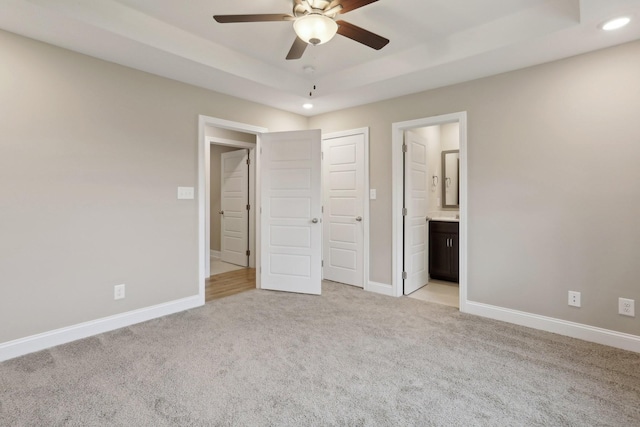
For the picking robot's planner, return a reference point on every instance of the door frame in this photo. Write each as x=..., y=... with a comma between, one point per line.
x=212, y=140
x=204, y=171
x=397, y=186
x=365, y=132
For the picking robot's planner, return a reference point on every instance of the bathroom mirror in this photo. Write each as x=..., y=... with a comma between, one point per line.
x=451, y=179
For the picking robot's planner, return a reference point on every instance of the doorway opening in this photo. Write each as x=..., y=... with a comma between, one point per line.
x=429, y=207
x=287, y=212
x=227, y=198
x=232, y=207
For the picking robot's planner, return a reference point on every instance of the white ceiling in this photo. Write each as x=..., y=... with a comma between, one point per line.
x=433, y=43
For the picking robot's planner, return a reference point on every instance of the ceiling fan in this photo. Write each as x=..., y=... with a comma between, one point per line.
x=314, y=22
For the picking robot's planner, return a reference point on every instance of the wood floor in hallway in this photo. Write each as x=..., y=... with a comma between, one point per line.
x=230, y=283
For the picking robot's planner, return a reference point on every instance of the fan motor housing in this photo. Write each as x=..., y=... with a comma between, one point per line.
x=317, y=5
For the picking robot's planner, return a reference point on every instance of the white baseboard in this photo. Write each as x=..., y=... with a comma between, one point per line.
x=558, y=326
x=379, y=288
x=214, y=254
x=33, y=343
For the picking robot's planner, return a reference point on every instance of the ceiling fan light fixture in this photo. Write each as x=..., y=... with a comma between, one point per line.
x=315, y=28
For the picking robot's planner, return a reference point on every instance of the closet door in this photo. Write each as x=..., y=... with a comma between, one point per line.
x=234, y=214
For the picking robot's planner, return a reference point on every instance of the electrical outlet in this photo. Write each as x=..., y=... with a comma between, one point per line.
x=574, y=299
x=118, y=292
x=627, y=307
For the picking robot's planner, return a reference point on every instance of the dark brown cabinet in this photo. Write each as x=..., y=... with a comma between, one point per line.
x=444, y=250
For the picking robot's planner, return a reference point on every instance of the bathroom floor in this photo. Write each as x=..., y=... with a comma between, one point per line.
x=439, y=292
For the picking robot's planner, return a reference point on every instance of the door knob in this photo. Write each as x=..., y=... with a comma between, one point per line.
x=358, y=218
x=221, y=212
x=314, y=220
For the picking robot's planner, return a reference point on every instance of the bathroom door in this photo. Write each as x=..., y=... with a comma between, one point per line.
x=416, y=247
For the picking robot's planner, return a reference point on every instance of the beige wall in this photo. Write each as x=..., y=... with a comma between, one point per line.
x=229, y=134
x=91, y=155
x=216, y=182
x=554, y=183
x=91, y=202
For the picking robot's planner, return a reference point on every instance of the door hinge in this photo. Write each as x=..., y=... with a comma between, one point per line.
x=404, y=148
x=322, y=155
x=322, y=263
x=248, y=207
x=322, y=209
x=404, y=212
x=248, y=252
x=248, y=161
x=404, y=275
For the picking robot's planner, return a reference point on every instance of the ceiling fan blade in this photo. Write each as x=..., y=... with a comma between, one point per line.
x=297, y=49
x=226, y=19
x=361, y=35
x=349, y=5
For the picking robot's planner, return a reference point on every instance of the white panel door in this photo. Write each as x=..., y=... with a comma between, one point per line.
x=234, y=193
x=291, y=228
x=416, y=246
x=343, y=200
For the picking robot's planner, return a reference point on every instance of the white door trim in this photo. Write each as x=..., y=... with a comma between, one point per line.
x=204, y=172
x=397, y=130
x=365, y=132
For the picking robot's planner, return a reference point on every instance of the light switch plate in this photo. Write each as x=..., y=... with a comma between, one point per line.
x=372, y=194
x=185, y=193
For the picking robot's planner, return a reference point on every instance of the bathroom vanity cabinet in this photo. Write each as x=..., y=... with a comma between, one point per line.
x=444, y=250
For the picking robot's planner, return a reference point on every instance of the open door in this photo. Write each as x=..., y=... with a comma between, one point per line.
x=291, y=213
x=416, y=245
x=234, y=213
x=343, y=175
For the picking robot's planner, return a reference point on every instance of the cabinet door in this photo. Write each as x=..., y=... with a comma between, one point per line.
x=455, y=256
x=443, y=250
x=439, y=256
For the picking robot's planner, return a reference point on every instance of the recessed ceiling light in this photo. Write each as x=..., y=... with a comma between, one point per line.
x=614, y=24
x=307, y=106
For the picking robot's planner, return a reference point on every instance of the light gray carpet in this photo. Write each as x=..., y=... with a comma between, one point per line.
x=347, y=358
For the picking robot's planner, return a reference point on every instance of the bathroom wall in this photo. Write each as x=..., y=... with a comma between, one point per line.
x=439, y=138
